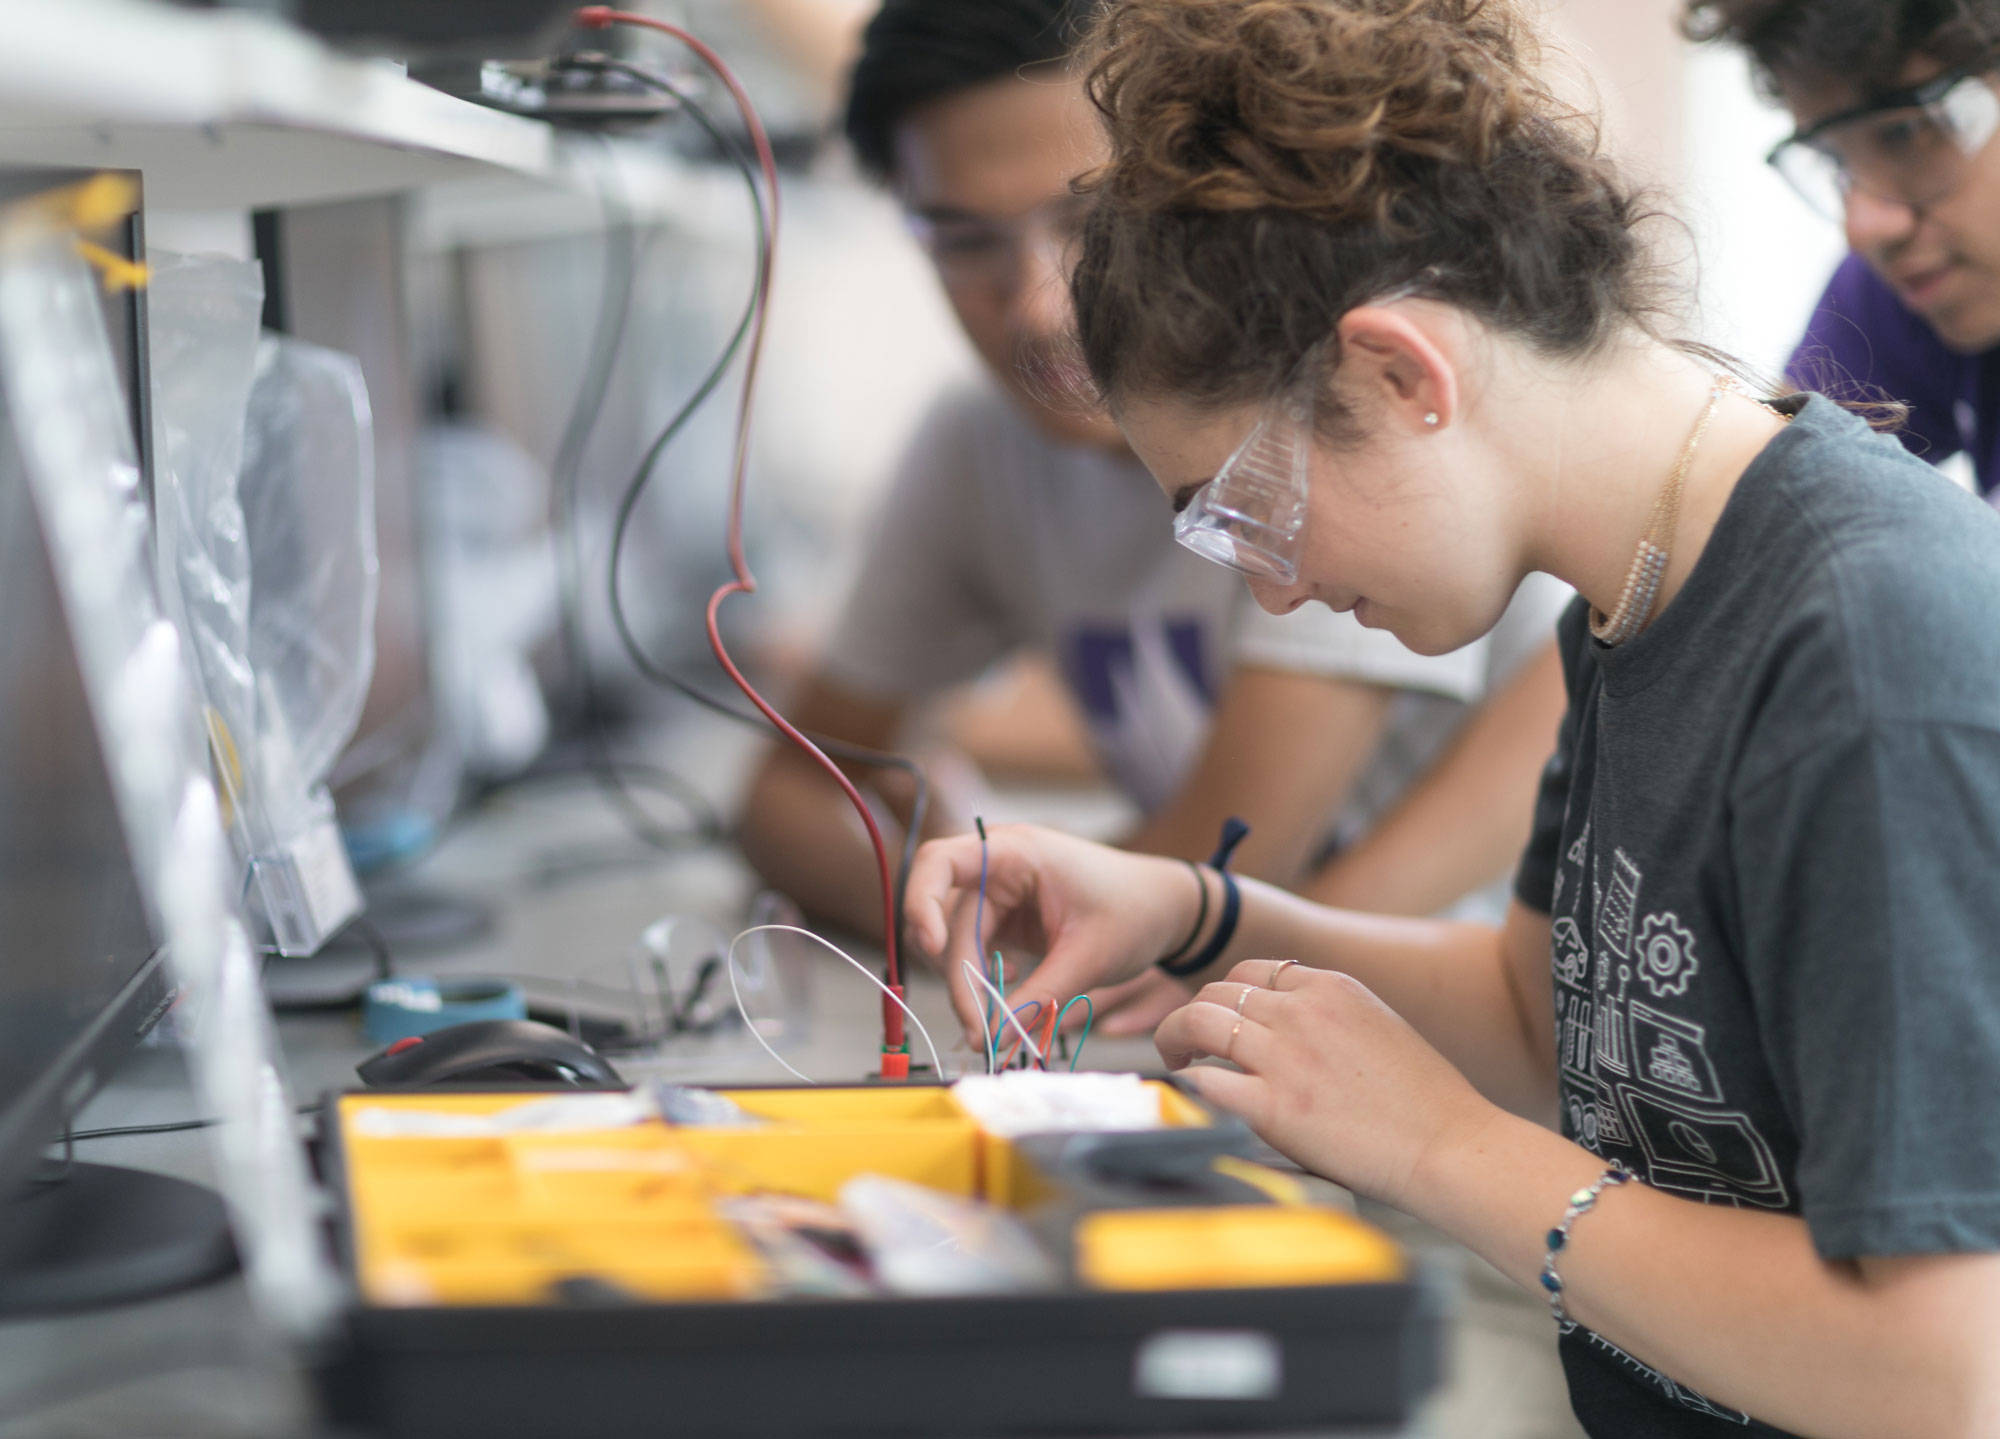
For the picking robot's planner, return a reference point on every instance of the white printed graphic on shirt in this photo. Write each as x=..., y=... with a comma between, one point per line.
x=1638, y=1081
x=1573, y=1034
x=1713, y=1155
x=1671, y=1053
x=1635, y=1074
x=1666, y=955
x=1582, y=1122
x=1572, y=955
x=1611, y=1018
x=1616, y=912
x=1604, y=1114
x=1672, y=1388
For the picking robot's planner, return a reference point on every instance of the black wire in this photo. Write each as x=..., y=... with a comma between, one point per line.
x=614, y=308
x=643, y=475
x=551, y=770
x=174, y=1127
x=364, y=927
x=632, y=773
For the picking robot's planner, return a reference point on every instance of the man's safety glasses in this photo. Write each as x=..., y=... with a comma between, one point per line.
x=1910, y=148
x=1252, y=515
x=979, y=252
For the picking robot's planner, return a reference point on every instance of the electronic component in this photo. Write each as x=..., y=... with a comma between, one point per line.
x=580, y=90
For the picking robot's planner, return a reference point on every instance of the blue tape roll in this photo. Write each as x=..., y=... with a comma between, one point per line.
x=400, y=1008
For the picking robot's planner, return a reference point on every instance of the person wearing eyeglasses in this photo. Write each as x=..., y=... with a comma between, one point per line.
x=1896, y=111
x=1383, y=323
x=1021, y=523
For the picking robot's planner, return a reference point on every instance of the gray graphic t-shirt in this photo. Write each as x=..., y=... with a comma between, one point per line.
x=1769, y=842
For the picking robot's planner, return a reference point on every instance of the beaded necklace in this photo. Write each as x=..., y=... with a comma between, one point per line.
x=1649, y=565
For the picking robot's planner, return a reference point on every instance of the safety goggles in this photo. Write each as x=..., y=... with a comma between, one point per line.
x=978, y=252
x=1911, y=148
x=1252, y=515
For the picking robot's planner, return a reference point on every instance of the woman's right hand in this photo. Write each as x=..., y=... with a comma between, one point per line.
x=1097, y=915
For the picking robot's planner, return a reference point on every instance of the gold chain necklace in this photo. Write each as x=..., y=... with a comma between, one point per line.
x=1649, y=565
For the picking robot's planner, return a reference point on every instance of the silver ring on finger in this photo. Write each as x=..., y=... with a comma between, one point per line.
x=1272, y=983
x=1243, y=998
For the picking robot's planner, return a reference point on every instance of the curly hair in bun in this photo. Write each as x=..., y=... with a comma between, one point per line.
x=1276, y=163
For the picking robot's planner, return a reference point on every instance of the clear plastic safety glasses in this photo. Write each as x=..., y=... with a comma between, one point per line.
x=973, y=252
x=1252, y=515
x=1910, y=148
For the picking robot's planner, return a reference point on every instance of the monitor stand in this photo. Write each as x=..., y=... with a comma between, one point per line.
x=104, y=1235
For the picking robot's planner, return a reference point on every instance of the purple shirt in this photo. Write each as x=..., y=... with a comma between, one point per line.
x=1863, y=343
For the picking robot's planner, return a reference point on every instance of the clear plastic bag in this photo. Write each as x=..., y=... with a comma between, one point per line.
x=202, y=319
x=265, y=512
x=308, y=497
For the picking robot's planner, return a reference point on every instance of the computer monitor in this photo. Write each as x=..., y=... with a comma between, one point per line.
x=82, y=975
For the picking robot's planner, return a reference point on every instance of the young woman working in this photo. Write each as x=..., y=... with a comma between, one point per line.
x=1376, y=315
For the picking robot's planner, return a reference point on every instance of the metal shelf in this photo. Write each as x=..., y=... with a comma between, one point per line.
x=229, y=110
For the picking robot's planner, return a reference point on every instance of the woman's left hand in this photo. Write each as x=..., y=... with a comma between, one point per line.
x=1331, y=1077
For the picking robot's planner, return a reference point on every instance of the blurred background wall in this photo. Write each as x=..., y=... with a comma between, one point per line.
x=861, y=339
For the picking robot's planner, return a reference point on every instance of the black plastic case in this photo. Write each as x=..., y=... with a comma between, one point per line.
x=1353, y=1357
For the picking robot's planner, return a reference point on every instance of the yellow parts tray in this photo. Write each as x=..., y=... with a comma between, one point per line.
x=1234, y=1247
x=818, y=1139
x=503, y=1218
x=500, y=1219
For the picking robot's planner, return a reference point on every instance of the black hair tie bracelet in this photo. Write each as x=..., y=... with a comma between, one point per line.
x=1233, y=832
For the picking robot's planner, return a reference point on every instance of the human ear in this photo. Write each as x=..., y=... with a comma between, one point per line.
x=1396, y=368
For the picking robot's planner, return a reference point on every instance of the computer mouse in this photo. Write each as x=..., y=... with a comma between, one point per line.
x=490, y=1051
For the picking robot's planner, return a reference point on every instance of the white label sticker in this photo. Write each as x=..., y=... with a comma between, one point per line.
x=325, y=876
x=1209, y=1364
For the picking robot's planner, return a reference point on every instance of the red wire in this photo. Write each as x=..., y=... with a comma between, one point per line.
x=599, y=17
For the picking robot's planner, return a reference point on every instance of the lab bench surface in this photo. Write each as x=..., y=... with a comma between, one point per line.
x=567, y=890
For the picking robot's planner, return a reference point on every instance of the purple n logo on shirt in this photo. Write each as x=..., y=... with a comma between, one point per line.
x=1100, y=661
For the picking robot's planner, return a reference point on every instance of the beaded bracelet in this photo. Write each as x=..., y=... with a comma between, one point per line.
x=1580, y=1204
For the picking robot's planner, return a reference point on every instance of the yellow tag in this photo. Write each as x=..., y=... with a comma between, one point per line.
x=101, y=202
x=119, y=274
x=89, y=206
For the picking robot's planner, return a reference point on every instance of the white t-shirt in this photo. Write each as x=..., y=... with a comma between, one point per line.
x=995, y=538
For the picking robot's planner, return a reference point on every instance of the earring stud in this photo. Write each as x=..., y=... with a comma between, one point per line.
x=1431, y=419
